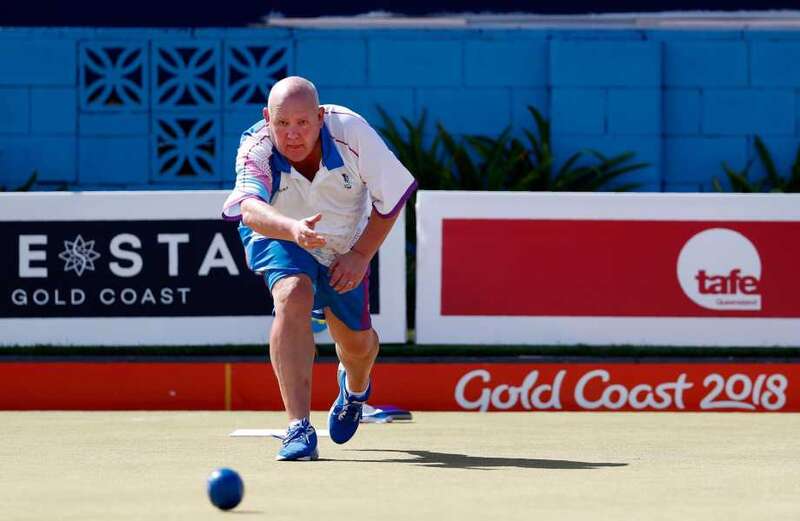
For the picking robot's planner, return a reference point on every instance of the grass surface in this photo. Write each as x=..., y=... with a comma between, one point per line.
x=461, y=466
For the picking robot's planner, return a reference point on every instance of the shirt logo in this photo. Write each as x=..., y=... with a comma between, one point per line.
x=78, y=255
x=347, y=183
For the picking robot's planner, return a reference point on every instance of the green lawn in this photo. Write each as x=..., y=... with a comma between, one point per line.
x=509, y=466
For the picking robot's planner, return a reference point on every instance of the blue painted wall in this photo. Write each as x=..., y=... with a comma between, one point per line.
x=163, y=109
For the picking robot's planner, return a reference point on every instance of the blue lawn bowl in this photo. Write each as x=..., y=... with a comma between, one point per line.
x=225, y=488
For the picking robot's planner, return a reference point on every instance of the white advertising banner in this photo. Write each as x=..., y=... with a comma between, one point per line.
x=608, y=268
x=148, y=268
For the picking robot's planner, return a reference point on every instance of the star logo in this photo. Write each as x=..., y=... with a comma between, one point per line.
x=79, y=255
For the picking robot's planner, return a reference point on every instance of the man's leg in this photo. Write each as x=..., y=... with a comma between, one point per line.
x=291, y=343
x=357, y=350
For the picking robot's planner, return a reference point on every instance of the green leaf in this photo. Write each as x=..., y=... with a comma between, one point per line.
x=597, y=175
x=542, y=125
x=568, y=164
x=465, y=170
x=738, y=180
x=773, y=177
x=29, y=183
x=610, y=162
x=26, y=186
x=793, y=184
x=627, y=187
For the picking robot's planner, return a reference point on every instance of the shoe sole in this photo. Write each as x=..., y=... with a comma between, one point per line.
x=313, y=457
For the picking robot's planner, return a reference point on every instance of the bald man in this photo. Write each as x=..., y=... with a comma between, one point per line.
x=317, y=192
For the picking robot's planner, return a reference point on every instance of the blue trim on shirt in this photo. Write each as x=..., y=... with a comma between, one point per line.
x=276, y=184
x=331, y=157
x=278, y=163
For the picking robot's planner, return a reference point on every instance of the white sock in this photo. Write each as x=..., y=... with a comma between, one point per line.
x=359, y=396
x=296, y=422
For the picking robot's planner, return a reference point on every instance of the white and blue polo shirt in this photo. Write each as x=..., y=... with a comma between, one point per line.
x=357, y=172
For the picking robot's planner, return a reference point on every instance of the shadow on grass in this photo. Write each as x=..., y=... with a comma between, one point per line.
x=445, y=460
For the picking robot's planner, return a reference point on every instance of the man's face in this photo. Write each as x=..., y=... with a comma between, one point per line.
x=295, y=123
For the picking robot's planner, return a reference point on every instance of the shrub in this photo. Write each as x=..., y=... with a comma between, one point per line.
x=771, y=182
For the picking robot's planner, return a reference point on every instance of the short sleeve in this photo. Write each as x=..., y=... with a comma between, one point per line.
x=389, y=183
x=253, y=172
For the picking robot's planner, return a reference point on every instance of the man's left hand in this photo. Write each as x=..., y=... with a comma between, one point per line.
x=348, y=270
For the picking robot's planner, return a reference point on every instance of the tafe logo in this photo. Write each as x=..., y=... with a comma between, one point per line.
x=720, y=269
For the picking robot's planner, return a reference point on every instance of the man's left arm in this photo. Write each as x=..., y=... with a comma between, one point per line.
x=348, y=269
x=390, y=185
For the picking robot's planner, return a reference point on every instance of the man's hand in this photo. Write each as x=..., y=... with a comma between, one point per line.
x=304, y=234
x=348, y=270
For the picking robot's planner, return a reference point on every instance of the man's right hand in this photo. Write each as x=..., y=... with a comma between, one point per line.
x=304, y=234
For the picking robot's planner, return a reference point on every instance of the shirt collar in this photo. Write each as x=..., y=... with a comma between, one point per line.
x=331, y=157
x=280, y=162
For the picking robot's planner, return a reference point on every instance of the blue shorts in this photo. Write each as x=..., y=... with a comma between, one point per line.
x=277, y=259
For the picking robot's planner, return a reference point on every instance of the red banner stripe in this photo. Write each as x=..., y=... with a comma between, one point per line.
x=511, y=267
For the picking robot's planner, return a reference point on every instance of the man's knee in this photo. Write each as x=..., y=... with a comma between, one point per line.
x=362, y=344
x=293, y=295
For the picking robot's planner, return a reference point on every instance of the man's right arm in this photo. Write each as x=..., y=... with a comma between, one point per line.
x=253, y=172
x=269, y=222
x=249, y=199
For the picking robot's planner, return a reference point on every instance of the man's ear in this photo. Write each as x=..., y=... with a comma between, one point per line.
x=265, y=112
x=321, y=114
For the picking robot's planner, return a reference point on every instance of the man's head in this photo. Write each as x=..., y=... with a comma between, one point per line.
x=295, y=117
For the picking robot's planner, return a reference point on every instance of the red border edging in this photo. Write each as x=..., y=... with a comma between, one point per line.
x=493, y=386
